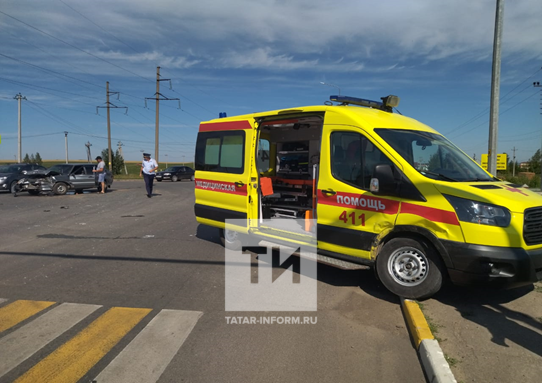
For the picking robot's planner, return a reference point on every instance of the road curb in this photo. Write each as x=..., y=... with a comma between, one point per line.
x=434, y=364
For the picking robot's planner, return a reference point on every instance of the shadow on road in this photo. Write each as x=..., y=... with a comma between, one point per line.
x=485, y=307
x=365, y=279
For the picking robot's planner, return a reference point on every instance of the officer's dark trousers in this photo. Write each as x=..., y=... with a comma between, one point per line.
x=149, y=179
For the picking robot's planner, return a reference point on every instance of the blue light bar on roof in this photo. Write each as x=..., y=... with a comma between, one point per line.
x=387, y=104
x=357, y=101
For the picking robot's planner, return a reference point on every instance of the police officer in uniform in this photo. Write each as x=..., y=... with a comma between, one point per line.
x=148, y=172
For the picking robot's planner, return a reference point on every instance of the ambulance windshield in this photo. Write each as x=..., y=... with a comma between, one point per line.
x=433, y=155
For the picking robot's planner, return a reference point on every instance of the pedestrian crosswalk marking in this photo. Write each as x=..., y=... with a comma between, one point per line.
x=24, y=342
x=18, y=311
x=152, y=350
x=144, y=359
x=71, y=361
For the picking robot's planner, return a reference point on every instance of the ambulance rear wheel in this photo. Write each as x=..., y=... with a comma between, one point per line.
x=230, y=239
x=410, y=268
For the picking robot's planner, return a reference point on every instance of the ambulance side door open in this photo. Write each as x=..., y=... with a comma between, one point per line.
x=224, y=163
x=350, y=217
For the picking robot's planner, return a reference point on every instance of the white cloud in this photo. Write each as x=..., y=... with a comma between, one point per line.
x=285, y=35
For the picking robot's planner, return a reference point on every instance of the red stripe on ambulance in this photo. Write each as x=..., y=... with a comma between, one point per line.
x=226, y=125
x=361, y=202
x=221, y=187
x=432, y=214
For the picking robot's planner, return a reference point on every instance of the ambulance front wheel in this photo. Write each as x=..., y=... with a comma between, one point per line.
x=410, y=268
x=230, y=239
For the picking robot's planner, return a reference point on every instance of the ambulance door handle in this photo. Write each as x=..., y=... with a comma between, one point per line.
x=329, y=192
x=239, y=184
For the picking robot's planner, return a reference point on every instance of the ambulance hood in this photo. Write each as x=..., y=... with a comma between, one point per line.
x=513, y=197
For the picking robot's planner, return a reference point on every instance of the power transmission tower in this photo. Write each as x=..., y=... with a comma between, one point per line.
x=537, y=85
x=109, y=105
x=120, y=145
x=514, y=162
x=89, y=157
x=66, y=139
x=495, y=88
x=19, y=97
x=158, y=96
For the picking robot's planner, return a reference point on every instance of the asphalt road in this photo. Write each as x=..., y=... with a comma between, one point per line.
x=124, y=250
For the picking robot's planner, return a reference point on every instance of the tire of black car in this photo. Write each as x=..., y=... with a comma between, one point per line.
x=192, y=178
x=12, y=187
x=60, y=188
x=174, y=178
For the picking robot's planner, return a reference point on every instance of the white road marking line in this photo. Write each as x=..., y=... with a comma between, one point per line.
x=27, y=340
x=147, y=356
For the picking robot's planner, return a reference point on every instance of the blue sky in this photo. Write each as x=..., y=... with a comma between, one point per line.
x=242, y=56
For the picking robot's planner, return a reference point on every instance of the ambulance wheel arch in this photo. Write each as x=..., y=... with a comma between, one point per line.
x=410, y=268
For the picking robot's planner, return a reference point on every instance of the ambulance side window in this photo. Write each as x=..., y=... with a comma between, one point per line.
x=221, y=152
x=212, y=151
x=354, y=157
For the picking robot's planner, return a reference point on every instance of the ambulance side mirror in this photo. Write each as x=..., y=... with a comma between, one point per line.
x=383, y=181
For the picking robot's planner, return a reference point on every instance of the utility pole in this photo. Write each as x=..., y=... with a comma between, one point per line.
x=19, y=97
x=166, y=160
x=158, y=96
x=66, y=141
x=120, y=145
x=537, y=85
x=495, y=89
x=109, y=105
x=89, y=157
x=514, y=162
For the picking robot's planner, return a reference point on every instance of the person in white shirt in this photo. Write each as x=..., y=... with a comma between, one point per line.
x=100, y=169
x=148, y=172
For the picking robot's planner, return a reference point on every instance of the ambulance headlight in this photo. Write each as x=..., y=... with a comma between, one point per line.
x=479, y=212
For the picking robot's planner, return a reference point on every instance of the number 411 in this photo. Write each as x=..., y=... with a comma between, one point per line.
x=359, y=221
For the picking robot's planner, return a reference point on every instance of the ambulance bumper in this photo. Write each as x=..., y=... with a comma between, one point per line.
x=506, y=266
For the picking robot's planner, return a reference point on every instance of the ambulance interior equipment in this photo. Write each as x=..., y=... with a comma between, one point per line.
x=288, y=157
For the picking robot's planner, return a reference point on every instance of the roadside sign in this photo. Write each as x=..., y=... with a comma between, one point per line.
x=502, y=161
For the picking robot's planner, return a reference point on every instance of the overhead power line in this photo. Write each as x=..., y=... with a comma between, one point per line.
x=42, y=87
x=504, y=99
x=93, y=23
x=48, y=70
x=75, y=47
x=500, y=114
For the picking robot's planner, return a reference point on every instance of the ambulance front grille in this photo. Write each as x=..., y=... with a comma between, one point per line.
x=532, y=226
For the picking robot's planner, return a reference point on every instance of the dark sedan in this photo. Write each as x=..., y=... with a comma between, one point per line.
x=10, y=174
x=176, y=173
x=78, y=177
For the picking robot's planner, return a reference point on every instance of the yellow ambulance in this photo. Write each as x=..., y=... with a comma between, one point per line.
x=385, y=190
